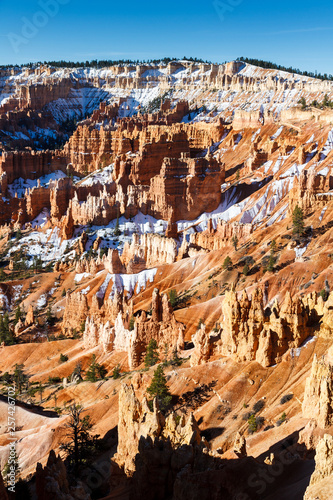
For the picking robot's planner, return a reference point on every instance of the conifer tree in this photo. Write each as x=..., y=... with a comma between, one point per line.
x=151, y=354
x=159, y=389
x=298, y=221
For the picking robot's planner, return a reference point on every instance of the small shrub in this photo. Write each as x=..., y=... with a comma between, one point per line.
x=252, y=424
x=324, y=295
x=173, y=298
x=285, y=399
x=63, y=358
x=248, y=415
x=258, y=406
x=116, y=372
x=281, y=419
x=54, y=380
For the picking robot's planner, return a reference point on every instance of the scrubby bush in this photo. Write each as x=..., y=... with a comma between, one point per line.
x=63, y=358
x=281, y=419
x=286, y=398
x=258, y=406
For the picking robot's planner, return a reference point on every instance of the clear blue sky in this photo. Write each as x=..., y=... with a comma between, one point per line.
x=294, y=32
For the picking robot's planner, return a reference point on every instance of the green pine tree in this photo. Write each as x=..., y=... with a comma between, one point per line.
x=298, y=221
x=252, y=424
x=131, y=324
x=271, y=263
x=18, y=315
x=246, y=270
x=151, y=354
x=159, y=389
x=173, y=298
x=20, y=378
x=227, y=264
x=49, y=316
x=95, y=370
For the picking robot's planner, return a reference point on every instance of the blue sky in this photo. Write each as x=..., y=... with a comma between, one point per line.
x=294, y=33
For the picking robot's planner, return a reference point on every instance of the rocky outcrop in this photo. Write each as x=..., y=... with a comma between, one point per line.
x=148, y=250
x=52, y=482
x=321, y=484
x=112, y=262
x=202, y=347
x=318, y=394
x=30, y=165
x=309, y=190
x=76, y=312
x=137, y=421
x=221, y=237
x=250, y=335
x=161, y=326
x=240, y=445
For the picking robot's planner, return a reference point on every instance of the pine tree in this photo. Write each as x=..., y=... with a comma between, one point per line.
x=19, y=377
x=298, y=221
x=159, y=389
x=95, y=370
x=18, y=315
x=49, y=316
x=173, y=298
x=235, y=241
x=91, y=374
x=246, y=270
x=227, y=264
x=81, y=445
x=116, y=372
x=252, y=424
x=151, y=354
x=131, y=324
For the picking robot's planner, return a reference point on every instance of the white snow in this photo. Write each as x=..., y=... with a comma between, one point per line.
x=277, y=134
x=322, y=214
x=80, y=277
x=17, y=292
x=324, y=171
x=127, y=282
x=85, y=290
x=20, y=185
x=103, y=176
x=42, y=301
x=300, y=251
x=41, y=219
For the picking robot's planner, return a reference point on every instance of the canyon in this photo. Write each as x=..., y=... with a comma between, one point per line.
x=181, y=211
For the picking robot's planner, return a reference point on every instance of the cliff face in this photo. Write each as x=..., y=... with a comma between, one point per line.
x=318, y=394
x=321, y=483
x=137, y=421
x=52, y=482
x=160, y=326
x=247, y=334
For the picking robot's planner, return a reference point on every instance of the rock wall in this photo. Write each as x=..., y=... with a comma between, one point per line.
x=321, y=484
x=137, y=421
x=318, y=394
x=76, y=312
x=247, y=334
